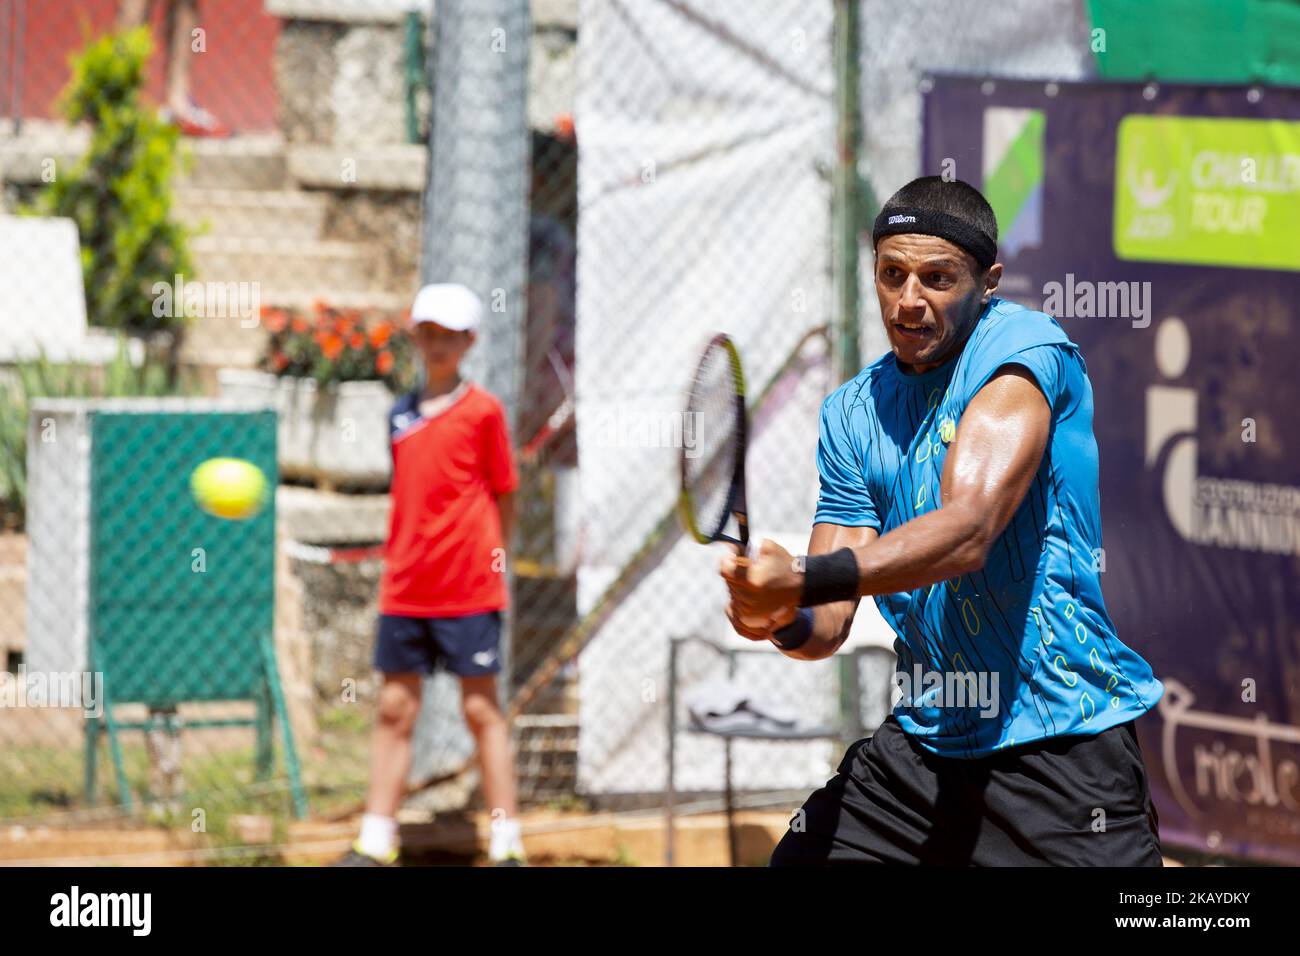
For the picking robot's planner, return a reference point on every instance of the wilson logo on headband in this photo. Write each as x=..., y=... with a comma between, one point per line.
x=959, y=232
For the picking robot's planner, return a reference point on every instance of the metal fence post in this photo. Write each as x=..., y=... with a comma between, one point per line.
x=845, y=195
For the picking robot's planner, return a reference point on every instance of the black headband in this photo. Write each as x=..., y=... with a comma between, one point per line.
x=974, y=240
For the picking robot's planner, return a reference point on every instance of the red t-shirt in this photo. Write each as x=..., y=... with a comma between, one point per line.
x=445, y=556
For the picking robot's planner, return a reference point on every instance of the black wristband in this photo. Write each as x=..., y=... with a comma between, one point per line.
x=795, y=634
x=829, y=577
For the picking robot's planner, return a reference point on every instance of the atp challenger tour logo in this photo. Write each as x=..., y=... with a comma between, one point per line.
x=1215, y=512
x=1209, y=190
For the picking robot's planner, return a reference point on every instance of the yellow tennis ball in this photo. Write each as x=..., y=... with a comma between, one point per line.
x=229, y=487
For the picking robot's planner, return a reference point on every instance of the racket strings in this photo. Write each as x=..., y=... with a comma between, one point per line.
x=711, y=438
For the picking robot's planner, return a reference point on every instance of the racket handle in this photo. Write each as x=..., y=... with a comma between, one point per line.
x=742, y=566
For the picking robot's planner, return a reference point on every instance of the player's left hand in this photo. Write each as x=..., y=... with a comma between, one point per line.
x=766, y=585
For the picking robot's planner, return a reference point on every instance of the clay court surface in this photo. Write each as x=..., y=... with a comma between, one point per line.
x=552, y=838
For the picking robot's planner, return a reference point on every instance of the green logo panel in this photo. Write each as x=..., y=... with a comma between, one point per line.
x=1208, y=191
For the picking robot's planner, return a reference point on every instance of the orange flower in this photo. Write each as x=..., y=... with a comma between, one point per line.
x=342, y=327
x=274, y=320
x=564, y=127
x=357, y=341
x=380, y=334
x=384, y=363
x=298, y=325
x=279, y=361
x=332, y=346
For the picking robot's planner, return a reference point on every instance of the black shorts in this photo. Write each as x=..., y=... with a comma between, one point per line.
x=1064, y=801
x=467, y=646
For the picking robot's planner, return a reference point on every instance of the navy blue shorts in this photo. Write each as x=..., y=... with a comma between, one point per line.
x=467, y=646
x=894, y=802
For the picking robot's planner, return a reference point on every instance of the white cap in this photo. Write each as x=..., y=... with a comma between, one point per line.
x=449, y=304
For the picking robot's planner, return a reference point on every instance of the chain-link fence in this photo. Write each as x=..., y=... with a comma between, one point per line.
x=210, y=209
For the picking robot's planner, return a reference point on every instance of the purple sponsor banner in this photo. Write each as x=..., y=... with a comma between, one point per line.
x=1196, y=376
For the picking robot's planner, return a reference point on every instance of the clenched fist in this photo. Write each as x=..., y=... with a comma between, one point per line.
x=764, y=590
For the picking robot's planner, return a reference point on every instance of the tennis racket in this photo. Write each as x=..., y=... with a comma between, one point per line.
x=714, y=435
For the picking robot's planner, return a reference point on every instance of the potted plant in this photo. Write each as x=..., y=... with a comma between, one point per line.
x=332, y=375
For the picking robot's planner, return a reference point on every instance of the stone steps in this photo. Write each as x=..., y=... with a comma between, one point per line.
x=546, y=756
x=342, y=269
x=255, y=162
x=220, y=342
x=337, y=266
x=252, y=225
x=398, y=167
x=305, y=298
x=251, y=213
x=240, y=162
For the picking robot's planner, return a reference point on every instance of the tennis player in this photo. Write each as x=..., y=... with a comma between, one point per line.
x=959, y=489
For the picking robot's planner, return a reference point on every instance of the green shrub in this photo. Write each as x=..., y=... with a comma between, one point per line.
x=41, y=378
x=120, y=192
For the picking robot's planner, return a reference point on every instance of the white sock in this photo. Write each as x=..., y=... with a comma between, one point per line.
x=378, y=835
x=506, y=839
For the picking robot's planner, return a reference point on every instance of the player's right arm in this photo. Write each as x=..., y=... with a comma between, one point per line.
x=831, y=622
x=846, y=518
